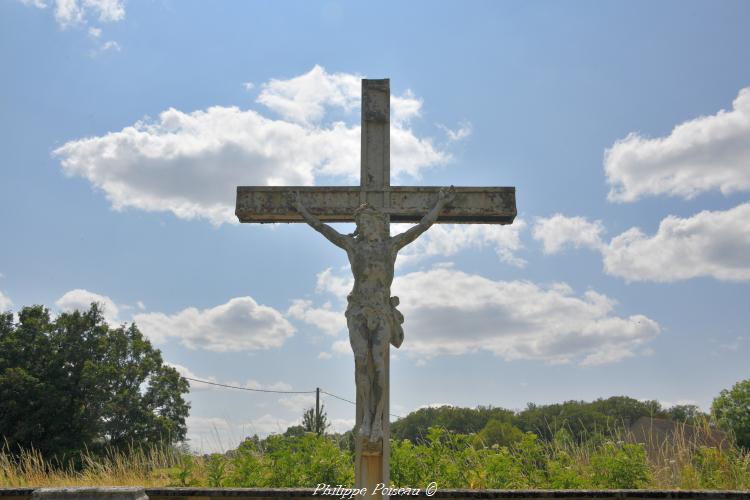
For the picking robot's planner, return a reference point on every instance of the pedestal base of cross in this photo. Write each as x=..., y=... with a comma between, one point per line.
x=471, y=205
x=371, y=464
x=372, y=459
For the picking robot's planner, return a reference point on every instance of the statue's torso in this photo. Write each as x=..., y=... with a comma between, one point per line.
x=371, y=309
x=372, y=266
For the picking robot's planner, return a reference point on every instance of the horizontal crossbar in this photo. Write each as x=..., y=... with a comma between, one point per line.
x=472, y=205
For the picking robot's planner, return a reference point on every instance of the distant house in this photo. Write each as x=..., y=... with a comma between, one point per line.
x=660, y=433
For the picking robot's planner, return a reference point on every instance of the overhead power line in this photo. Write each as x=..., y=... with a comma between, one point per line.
x=338, y=397
x=247, y=388
x=273, y=391
x=350, y=402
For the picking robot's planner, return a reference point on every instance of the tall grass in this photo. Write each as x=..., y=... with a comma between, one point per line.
x=695, y=459
x=129, y=467
x=452, y=460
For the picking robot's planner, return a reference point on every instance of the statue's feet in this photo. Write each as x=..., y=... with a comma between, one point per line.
x=376, y=434
x=366, y=428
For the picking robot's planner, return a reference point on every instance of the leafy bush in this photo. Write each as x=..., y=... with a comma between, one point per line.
x=713, y=468
x=563, y=472
x=498, y=433
x=620, y=465
x=216, y=470
x=502, y=470
x=246, y=467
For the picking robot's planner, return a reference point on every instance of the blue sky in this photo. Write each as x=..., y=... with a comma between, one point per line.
x=625, y=127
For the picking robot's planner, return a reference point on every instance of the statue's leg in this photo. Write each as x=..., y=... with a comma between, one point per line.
x=360, y=347
x=379, y=352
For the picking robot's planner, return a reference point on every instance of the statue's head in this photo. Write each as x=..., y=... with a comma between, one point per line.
x=371, y=223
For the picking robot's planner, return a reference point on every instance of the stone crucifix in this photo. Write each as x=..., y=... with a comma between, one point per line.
x=372, y=318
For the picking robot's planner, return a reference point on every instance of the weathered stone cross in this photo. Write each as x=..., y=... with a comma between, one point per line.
x=484, y=205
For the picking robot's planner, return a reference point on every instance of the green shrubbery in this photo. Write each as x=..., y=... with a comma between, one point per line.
x=455, y=461
x=620, y=465
x=452, y=460
x=282, y=461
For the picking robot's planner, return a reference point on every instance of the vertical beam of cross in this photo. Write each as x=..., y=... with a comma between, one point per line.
x=373, y=466
x=375, y=167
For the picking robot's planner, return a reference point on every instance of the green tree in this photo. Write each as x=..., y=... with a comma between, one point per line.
x=686, y=413
x=295, y=431
x=75, y=383
x=580, y=418
x=731, y=409
x=624, y=410
x=498, y=433
x=312, y=424
x=415, y=426
x=586, y=420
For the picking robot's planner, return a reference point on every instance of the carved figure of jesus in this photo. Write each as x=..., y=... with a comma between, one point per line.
x=371, y=315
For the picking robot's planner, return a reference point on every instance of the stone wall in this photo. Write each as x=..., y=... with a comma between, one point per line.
x=298, y=493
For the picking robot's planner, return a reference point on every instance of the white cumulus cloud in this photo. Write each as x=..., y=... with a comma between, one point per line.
x=707, y=153
x=189, y=163
x=465, y=313
x=446, y=240
x=238, y=325
x=449, y=312
x=325, y=318
x=558, y=231
x=184, y=371
x=715, y=244
x=334, y=284
x=249, y=384
x=80, y=299
x=79, y=13
x=709, y=244
x=305, y=98
x=75, y=12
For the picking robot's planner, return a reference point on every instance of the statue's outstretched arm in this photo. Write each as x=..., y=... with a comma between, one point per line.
x=445, y=196
x=330, y=233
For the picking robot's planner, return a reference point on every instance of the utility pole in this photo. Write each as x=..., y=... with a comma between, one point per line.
x=317, y=410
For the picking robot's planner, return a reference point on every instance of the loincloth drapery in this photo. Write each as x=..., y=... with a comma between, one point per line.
x=374, y=314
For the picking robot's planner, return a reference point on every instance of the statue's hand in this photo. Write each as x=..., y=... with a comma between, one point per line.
x=446, y=196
